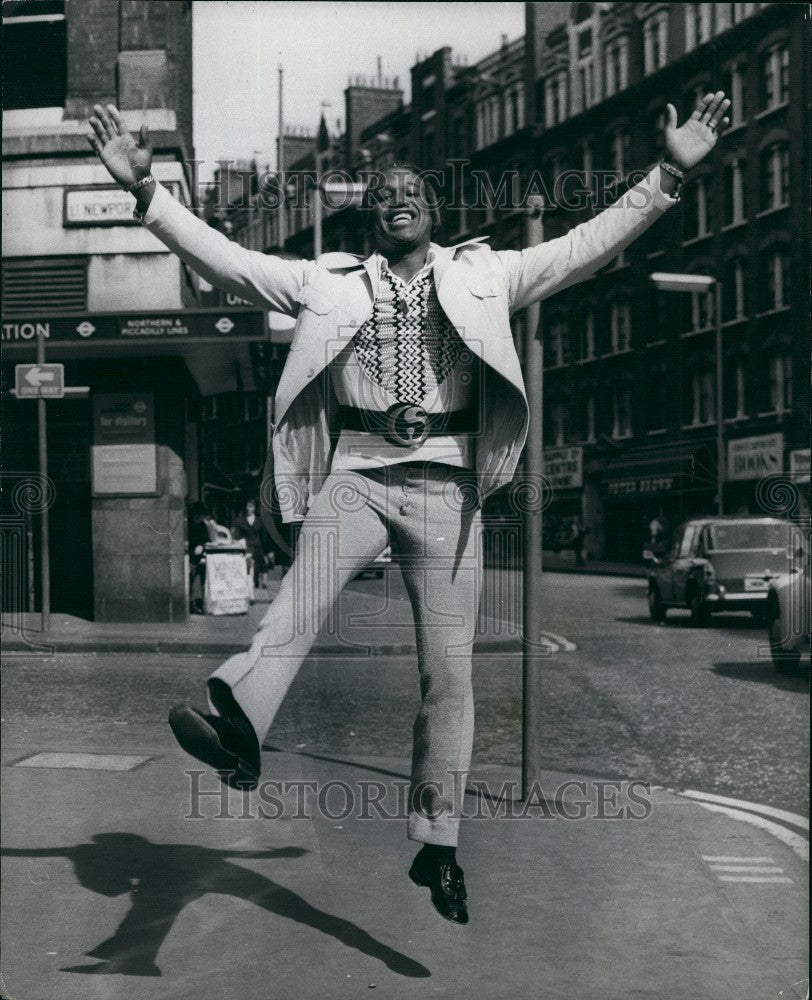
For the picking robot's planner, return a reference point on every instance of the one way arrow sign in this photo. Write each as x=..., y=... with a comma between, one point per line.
x=39, y=381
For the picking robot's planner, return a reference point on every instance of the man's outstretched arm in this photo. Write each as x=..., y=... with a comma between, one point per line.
x=262, y=279
x=540, y=271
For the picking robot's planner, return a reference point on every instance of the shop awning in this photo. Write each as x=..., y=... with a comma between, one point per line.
x=650, y=472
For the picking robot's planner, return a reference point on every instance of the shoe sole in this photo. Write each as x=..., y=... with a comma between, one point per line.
x=201, y=741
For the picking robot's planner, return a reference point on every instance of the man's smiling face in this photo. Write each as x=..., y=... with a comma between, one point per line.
x=401, y=214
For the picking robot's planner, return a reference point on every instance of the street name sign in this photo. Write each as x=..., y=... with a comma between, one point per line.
x=39, y=381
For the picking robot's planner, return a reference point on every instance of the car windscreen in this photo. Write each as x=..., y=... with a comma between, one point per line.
x=738, y=537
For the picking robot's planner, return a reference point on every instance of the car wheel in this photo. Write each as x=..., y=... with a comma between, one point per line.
x=700, y=612
x=656, y=608
x=784, y=660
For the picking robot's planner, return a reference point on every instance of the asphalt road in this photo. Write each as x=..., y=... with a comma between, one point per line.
x=680, y=707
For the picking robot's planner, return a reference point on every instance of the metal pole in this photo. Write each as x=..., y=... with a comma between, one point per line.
x=42, y=435
x=280, y=162
x=720, y=410
x=317, y=247
x=531, y=534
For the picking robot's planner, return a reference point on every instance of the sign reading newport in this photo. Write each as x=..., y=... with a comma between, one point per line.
x=185, y=324
x=39, y=381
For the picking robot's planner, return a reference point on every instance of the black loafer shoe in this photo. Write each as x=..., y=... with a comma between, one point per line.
x=447, y=883
x=228, y=747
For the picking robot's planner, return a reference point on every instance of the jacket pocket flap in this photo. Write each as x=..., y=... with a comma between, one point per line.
x=485, y=287
x=314, y=300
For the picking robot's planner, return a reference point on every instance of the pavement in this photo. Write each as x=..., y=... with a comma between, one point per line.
x=151, y=882
x=130, y=872
x=379, y=623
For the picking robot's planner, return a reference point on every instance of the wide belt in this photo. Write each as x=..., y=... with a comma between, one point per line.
x=407, y=424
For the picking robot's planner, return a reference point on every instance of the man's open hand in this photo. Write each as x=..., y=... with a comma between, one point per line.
x=127, y=160
x=692, y=142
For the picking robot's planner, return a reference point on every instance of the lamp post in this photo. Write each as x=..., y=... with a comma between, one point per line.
x=699, y=283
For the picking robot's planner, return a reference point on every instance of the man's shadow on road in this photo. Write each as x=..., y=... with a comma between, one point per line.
x=163, y=878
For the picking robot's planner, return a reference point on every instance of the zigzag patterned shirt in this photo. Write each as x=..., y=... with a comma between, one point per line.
x=406, y=352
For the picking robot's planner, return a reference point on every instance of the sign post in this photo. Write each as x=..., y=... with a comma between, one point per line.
x=42, y=435
x=532, y=574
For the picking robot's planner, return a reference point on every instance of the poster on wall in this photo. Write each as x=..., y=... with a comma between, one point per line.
x=124, y=453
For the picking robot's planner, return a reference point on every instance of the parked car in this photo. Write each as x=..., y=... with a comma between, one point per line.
x=720, y=564
x=789, y=612
x=377, y=566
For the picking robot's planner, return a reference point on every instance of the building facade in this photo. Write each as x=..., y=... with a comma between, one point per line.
x=110, y=303
x=576, y=106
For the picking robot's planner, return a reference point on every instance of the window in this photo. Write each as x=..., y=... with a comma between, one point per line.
x=702, y=309
x=735, y=89
x=735, y=208
x=697, y=24
x=655, y=42
x=620, y=152
x=588, y=166
x=620, y=325
x=586, y=77
x=585, y=43
x=616, y=66
x=734, y=291
x=621, y=414
x=40, y=285
x=514, y=109
x=774, y=177
x=555, y=90
x=739, y=11
x=702, y=397
x=558, y=415
x=589, y=336
x=777, y=285
x=558, y=340
x=781, y=383
x=774, y=77
x=35, y=55
x=657, y=122
x=697, y=209
x=736, y=391
x=590, y=419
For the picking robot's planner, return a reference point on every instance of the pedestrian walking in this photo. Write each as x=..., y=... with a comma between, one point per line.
x=395, y=361
x=248, y=526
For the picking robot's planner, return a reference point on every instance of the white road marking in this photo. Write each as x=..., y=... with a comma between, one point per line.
x=559, y=641
x=84, y=761
x=788, y=817
x=756, y=878
x=752, y=869
x=792, y=840
x=731, y=861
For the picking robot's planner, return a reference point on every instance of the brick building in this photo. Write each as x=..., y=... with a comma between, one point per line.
x=629, y=420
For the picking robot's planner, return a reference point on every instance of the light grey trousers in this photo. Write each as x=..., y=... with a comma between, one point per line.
x=431, y=514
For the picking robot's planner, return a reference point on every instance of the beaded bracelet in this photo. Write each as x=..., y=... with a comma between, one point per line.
x=149, y=179
x=674, y=171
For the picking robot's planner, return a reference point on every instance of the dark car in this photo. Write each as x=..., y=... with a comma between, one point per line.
x=720, y=564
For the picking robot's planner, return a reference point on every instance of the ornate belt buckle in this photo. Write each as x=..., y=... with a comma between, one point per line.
x=407, y=425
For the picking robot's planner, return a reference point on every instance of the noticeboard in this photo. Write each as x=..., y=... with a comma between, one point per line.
x=124, y=452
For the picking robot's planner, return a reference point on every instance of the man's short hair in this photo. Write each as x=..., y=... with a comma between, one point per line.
x=427, y=179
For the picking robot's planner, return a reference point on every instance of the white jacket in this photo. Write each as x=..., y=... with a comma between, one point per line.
x=332, y=297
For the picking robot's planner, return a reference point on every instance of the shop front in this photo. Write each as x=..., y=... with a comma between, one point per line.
x=123, y=453
x=650, y=491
